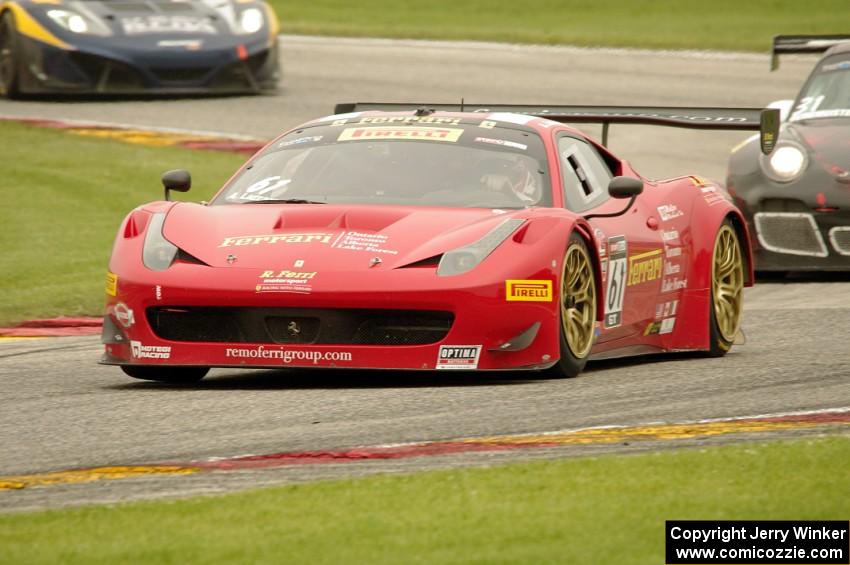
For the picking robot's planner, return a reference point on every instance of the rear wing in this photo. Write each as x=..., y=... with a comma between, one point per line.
x=766, y=120
x=788, y=44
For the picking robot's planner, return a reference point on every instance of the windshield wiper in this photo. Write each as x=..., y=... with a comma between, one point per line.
x=284, y=201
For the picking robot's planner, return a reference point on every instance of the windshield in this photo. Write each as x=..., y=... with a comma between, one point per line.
x=827, y=93
x=442, y=163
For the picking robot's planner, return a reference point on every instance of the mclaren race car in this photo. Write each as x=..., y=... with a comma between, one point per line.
x=797, y=200
x=123, y=47
x=433, y=237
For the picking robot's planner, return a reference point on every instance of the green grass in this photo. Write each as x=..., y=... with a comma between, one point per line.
x=596, y=510
x=664, y=24
x=64, y=197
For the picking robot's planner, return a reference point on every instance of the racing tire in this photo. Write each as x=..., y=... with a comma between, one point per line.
x=175, y=375
x=727, y=290
x=577, y=305
x=9, y=76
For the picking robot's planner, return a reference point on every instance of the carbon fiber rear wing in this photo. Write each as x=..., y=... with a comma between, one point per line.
x=788, y=44
x=766, y=121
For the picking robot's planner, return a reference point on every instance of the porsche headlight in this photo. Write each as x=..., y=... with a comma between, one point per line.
x=158, y=253
x=786, y=163
x=251, y=20
x=464, y=259
x=77, y=22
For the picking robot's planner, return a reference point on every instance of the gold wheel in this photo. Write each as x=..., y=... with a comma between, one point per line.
x=727, y=282
x=578, y=300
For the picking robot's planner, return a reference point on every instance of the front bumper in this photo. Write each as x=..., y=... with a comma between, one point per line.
x=481, y=320
x=801, y=240
x=47, y=69
x=799, y=226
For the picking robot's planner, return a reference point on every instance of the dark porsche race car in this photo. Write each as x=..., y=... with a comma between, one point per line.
x=797, y=200
x=443, y=237
x=127, y=47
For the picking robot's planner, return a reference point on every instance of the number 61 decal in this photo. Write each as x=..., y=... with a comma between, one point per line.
x=617, y=274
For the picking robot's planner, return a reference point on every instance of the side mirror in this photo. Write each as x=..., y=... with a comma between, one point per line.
x=625, y=187
x=178, y=179
x=621, y=187
x=784, y=107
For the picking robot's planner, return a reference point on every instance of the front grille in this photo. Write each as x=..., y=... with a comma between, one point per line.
x=300, y=325
x=840, y=239
x=783, y=205
x=180, y=74
x=106, y=75
x=789, y=233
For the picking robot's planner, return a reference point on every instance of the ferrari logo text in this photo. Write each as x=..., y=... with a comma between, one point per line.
x=283, y=238
x=645, y=267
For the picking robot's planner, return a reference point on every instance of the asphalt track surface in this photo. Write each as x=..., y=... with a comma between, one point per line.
x=62, y=411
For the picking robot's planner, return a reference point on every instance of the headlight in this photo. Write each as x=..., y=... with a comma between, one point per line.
x=251, y=20
x=466, y=258
x=77, y=22
x=158, y=253
x=786, y=163
x=69, y=20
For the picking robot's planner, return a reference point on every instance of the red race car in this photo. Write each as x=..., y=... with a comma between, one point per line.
x=433, y=237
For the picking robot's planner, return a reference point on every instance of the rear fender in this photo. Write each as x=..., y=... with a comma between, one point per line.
x=710, y=208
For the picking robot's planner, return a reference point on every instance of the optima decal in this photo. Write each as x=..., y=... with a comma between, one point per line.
x=645, y=267
x=450, y=135
x=241, y=240
x=528, y=291
x=458, y=356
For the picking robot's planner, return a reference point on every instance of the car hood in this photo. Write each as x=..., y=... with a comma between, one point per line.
x=827, y=139
x=158, y=25
x=327, y=237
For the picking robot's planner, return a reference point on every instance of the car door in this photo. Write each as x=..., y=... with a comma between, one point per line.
x=629, y=246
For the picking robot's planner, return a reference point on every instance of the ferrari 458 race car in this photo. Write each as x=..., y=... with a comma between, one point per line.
x=488, y=238
x=125, y=47
x=797, y=200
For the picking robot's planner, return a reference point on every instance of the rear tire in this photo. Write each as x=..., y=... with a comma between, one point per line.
x=166, y=374
x=727, y=290
x=577, y=300
x=9, y=75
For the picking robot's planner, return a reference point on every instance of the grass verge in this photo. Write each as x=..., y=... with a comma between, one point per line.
x=596, y=510
x=64, y=198
x=655, y=24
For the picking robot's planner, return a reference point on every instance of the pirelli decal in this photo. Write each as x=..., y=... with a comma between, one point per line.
x=111, y=283
x=528, y=291
x=645, y=267
x=450, y=135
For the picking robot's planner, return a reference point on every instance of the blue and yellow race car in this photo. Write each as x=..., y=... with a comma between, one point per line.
x=137, y=46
